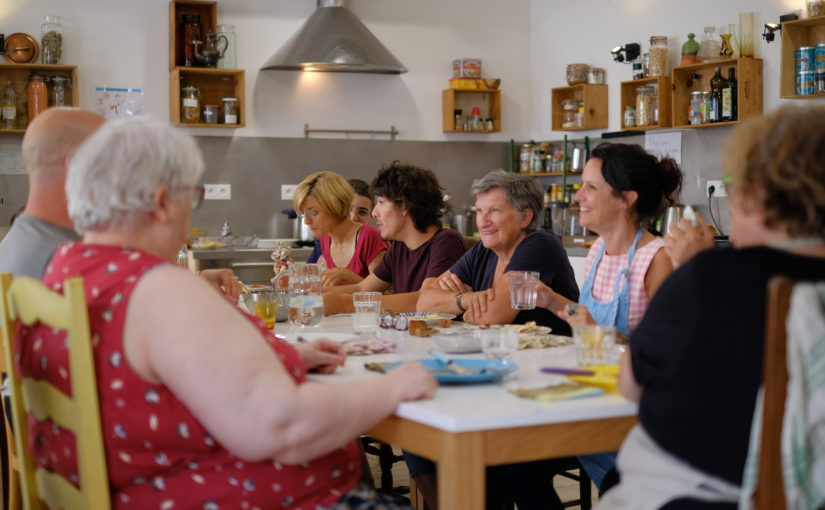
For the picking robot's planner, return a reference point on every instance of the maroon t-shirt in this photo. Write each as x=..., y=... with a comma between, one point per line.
x=407, y=269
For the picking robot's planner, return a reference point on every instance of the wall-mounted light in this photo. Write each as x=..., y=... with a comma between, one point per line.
x=769, y=33
x=627, y=53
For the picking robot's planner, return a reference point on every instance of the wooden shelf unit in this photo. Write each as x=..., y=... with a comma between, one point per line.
x=749, y=88
x=19, y=76
x=595, y=106
x=664, y=87
x=214, y=84
x=795, y=34
x=487, y=100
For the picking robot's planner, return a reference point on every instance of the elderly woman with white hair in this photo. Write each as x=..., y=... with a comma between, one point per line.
x=201, y=406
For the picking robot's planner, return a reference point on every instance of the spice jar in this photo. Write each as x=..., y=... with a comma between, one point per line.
x=816, y=8
x=230, y=110
x=190, y=104
x=38, y=95
x=51, y=43
x=595, y=76
x=659, y=57
x=630, y=116
x=644, y=105
x=577, y=73
x=525, y=156
x=210, y=114
x=59, y=84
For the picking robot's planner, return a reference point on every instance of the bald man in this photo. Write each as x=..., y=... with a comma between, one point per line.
x=48, y=145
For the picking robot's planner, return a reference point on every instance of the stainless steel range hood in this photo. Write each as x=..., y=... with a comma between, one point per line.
x=333, y=39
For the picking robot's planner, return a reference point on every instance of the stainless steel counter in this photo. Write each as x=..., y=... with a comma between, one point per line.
x=252, y=265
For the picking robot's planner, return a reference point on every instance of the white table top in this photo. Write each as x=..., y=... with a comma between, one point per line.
x=462, y=408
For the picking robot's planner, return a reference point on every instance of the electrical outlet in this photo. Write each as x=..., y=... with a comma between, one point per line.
x=718, y=189
x=288, y=191
x=217, y=191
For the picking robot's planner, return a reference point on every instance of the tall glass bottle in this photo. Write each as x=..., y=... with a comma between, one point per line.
x=730, y=109
x=9, y=107
x=717, y=84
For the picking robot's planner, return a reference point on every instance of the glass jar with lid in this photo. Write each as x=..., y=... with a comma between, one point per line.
x=644, y=105
x=659, y=57
x=190, y=111
x=37, y=94
x=51, y=42
x=230, y=110
x=695, y=108
x=577, y=73
x=58, y=92
x=210, y=114
x=710, y=47
x=629, y=116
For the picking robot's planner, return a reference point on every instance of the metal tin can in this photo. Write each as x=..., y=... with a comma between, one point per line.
x=695, y=108
x=805, y=58
x=820, y=82
x=819, y=57
x=805, y=83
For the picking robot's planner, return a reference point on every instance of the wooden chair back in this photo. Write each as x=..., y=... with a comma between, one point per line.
x=770, y=490
x=28, y=301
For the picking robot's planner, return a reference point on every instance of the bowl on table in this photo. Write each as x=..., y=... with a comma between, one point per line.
x=458, y=342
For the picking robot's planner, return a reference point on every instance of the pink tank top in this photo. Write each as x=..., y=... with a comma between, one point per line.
x=158, y=454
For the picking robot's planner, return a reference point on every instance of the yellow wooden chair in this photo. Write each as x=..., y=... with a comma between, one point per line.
x=28, y=301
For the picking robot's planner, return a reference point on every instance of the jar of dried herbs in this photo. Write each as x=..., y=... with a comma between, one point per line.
x=51, y=42
x=190, y=110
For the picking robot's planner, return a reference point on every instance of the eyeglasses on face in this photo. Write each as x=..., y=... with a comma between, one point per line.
x=312, y=213
x=196, y=194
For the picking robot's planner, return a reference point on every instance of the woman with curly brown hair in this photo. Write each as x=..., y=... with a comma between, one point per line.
x=695, y=361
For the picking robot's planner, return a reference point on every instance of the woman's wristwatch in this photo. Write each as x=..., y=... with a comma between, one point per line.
x=458, y=301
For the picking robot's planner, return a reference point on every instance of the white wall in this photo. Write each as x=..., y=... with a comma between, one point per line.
x=125, y=43
x=564, y=32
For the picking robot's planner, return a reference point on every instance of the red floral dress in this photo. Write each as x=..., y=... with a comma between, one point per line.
x=158, y=454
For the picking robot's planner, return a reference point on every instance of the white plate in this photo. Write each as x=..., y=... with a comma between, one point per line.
x=292, y=336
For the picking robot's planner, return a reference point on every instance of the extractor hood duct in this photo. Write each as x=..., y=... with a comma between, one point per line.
x=333, y=39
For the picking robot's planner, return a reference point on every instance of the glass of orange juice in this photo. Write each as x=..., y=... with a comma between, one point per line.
x=263, y=304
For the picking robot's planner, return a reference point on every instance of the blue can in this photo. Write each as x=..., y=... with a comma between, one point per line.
x=820, y=82
x=805, y=58
x=819, y=57
x=805, y=83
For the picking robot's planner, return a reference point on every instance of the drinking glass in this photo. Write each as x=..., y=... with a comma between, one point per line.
x=500, y=344
x=594, y=344
x=306, y=299
x=367, y=309
x=523, y=289
x=264, y=305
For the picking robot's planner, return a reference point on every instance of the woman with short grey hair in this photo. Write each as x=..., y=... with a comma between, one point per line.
x=507, y=210
x=200, y=403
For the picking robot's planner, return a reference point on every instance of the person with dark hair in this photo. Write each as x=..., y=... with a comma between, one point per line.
x=695, y=362
x=623, y=188
x=407, y=211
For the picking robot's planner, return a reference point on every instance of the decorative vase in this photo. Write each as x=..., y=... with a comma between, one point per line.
x=726, y=51
x=734, y=41
x=689, y=51
x=747, y=24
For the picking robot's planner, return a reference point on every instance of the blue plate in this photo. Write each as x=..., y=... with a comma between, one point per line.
x=496, y=369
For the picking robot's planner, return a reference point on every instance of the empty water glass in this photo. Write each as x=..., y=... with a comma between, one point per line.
x=523, y=291
x=367, y=310
x=500, y=344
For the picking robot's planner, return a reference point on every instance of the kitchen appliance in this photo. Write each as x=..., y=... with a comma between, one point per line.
x=300, y=230
x=671, y=216
x=333, y=39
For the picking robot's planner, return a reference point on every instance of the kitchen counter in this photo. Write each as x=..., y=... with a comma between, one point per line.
x=251, y=265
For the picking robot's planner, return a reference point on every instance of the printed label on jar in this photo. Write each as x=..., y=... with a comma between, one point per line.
x=190, y=103
x=230, y=119
x=9, y=112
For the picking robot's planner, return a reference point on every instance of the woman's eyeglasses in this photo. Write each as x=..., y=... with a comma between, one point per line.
x=395, y=321
x=312, y=213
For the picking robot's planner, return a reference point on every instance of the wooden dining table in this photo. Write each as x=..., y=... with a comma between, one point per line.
x=467, y=427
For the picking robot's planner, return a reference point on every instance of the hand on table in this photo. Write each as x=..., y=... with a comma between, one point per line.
x=413, y=381
x=684, y=240
x=322, y=355
x=225, y=281
x=476, y=304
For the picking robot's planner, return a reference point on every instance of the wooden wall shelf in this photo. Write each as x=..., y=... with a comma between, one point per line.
x=664, y=87
x=19, y=76
x=804, y=32
x=595, y=106
x=749, y=88
x=487, y=100
x=213, y=84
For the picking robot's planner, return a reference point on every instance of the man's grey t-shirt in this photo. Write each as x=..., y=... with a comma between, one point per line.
x=30, y=244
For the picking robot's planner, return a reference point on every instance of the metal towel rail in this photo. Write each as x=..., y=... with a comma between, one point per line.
x=371, y=132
